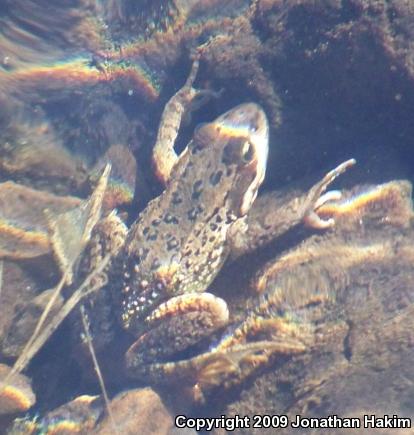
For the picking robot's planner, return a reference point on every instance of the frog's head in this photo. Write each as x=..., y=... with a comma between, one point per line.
x=240, y=140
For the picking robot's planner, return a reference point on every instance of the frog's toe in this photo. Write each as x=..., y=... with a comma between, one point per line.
x=334, y=173
x=313, y=220
x=316, y=197
x=332, y=195
x=251, y=346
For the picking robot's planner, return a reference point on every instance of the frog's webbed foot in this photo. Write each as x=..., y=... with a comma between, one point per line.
x=230, y=366
x=316, y=197
x=173, y=327
x=200, y=98
x=242, y=359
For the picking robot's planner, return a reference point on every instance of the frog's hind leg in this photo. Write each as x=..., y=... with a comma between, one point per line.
x=176, y=325
x=225, y=367
x=228, y=364
x=234, y=358
x=252, y=345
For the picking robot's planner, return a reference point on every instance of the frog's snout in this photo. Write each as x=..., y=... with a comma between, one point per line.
x=247, y=117
x=248, y=122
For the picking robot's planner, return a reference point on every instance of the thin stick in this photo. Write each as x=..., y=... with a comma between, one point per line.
x=1, y=278
x=97, y=369
x=22, y=361
x=38, y=341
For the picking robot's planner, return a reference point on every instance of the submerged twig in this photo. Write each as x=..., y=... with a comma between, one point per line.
x=87, y=217
x=1, y=279
x=97, y=369
x=22, y=361
x=70, y=231
x=36, y=342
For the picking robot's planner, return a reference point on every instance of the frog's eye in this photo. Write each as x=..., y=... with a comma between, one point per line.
x=247, y=152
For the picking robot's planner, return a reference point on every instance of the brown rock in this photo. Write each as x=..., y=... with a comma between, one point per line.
x=17, y=287
x=137, y=411
x=17, y=395
x=25, y=320
x=23, y=225
x=78, y=416
x=361, y=358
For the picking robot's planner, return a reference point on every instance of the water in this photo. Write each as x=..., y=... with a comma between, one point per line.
x=85, y=83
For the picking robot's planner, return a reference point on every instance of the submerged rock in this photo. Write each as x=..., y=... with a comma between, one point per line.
x=351, y=289
x=76, y=417
x=17, y=395
x=24, y=229
x=137, y=411
x=133, y=411
x=123, y=177
x=18, y=286
x=24, y=322
x=32, y=153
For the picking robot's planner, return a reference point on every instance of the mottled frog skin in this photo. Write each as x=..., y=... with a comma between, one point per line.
x=178, y=243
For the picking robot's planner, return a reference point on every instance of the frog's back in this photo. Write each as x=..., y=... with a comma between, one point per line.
x=177, y=245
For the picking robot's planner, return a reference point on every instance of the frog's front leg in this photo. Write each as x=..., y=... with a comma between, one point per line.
x=274, y=214
x=181, y=103
x=174, y=326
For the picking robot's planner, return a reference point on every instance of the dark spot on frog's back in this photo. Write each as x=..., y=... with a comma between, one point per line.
x=153, y=235
x=176, y=199
x=156, y=264
x=170, y=219
x=197, y=190
x=215, y=178
x=156, y=222
x=194, y=212
x=172, y=243
x=150, y=233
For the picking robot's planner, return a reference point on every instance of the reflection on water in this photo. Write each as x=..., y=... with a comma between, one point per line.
x=84, y=84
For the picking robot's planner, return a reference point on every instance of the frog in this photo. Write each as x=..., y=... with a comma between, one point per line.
x=162, y=266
